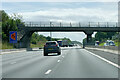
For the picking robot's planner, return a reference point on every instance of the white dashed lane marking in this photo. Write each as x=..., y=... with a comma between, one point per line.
x=48, y=71
x=58, y=61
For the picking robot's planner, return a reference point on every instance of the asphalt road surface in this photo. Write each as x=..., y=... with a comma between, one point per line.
x=74, y=62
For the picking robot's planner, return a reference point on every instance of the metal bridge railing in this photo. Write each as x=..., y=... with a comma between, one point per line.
x=79, y=24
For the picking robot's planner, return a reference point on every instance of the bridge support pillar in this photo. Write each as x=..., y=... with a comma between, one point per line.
x=25, y=41
x=89, y=37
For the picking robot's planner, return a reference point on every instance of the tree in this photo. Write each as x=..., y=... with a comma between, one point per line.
x=48, y=38
x=102, y=36
x=9, y=24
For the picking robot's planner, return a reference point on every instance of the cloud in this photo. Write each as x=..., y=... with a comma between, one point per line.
x=66, y=14
x=72, y=14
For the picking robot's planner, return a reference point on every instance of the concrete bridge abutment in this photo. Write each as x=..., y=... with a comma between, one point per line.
x=25, y=40
x=89, y=37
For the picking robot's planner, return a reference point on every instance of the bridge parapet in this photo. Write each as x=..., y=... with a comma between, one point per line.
x=71, y=24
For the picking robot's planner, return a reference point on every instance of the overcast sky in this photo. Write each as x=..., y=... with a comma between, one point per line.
x=64, y=12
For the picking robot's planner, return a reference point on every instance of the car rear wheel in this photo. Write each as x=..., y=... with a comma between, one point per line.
x=59, y=53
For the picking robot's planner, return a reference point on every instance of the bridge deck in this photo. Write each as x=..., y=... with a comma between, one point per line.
x=74, y=27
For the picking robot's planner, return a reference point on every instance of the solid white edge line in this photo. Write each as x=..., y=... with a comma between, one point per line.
x=116, y=65
x=48, y=71
x=11, y=52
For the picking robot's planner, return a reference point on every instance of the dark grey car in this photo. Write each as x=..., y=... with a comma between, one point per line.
x=51, y=47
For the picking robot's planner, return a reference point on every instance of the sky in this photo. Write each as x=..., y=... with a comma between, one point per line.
x=65, y=12
x=59, y=0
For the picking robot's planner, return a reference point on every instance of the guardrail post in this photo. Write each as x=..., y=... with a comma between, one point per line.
x=116, y=25
x=89, y=24
x=98, y=24
x=53, y=25
x=107, y=24
x=70, y=24
x=60, y=24
x=30, y=24
x=79, y=24
x=40, y=24
x=50, y=24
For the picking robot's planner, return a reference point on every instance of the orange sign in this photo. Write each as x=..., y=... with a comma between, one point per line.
x=13, y=36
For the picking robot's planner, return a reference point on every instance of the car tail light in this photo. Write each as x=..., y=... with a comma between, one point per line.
x=56, y=44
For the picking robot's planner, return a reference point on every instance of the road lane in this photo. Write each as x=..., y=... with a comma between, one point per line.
x=73, y=63
x=109, y=56
x=16, y=58
x=80, y=64
x=12, y=56
x=31, y=68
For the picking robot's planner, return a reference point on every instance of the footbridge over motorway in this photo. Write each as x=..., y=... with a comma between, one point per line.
x=26, y=32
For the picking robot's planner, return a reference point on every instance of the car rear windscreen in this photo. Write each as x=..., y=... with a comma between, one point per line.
x=51, y=43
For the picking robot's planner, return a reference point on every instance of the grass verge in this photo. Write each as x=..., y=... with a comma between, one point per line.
x=39, y=44
x=6, y=45
x=116, y=44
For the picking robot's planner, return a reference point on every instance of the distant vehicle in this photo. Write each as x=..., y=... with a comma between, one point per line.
x=51, y=47
x=65, y=43
x=97, y=43
x=59, y=42
x=75, y=44
x=109, y=43
x=71, y=45
x=106, y=44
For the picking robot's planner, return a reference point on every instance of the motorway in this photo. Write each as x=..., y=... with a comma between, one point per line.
x=74, y=62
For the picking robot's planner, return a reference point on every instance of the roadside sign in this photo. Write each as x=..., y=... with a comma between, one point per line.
x=13, y=36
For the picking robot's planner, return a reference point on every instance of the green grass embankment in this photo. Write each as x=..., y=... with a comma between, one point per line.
x=39, y=44
x=116, y=44
x=6, y=45
x=101, y=44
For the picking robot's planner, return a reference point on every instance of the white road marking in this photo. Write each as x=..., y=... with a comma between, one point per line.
x=48, y=71
x=58, y=61
x=12, y=52
x=1, y=53
x=106, y=50
x=116, y=65
x=13, y=63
